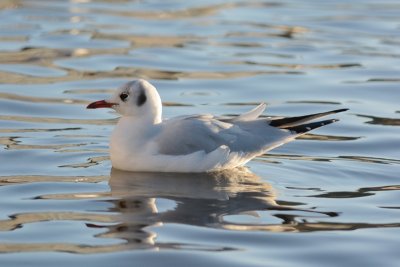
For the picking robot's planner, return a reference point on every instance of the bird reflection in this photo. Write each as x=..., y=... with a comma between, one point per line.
x=199, y=199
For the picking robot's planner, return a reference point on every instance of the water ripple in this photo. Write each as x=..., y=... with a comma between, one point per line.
x=335, y=187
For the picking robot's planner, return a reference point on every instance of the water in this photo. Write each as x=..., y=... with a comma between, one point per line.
x=327, y=199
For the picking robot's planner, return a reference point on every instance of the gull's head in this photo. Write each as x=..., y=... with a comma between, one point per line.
x=137, y=98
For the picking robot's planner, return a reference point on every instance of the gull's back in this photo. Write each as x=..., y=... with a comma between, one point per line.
x=186, y=135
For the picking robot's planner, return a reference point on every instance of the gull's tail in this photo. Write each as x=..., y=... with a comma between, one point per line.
x=297, y=123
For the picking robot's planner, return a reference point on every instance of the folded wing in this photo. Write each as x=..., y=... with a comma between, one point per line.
x=245, y=134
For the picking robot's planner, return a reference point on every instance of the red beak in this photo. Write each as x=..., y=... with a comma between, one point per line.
x=100, y=104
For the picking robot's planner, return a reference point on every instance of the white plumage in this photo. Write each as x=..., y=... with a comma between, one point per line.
x=142, y=141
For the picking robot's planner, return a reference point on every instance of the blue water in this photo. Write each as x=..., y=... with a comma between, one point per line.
x=328, y=199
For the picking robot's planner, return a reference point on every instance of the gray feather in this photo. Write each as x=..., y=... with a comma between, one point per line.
x=183, y=136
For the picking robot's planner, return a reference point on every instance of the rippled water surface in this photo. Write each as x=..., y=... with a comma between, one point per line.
x=330, y=198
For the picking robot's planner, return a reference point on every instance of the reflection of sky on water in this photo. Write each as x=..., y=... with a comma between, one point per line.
x=328, y=198
x=144, y=203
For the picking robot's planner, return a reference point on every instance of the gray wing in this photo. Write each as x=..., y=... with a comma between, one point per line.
x=245, y=133
x=185, y=135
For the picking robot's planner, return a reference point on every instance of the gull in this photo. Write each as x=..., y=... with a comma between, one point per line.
x=144, y=142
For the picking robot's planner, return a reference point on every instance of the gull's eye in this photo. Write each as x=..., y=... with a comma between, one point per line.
x=123, y=96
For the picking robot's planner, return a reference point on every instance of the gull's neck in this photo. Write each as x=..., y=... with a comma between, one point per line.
x=138, y=124
x=131, y=134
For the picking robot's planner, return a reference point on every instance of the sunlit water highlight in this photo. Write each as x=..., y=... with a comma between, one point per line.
x=328, y=199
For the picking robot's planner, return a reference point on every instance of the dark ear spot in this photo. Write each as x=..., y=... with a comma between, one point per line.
x=141, y=98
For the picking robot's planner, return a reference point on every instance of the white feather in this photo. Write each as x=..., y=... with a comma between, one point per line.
x=142, y=141
x=252, y=114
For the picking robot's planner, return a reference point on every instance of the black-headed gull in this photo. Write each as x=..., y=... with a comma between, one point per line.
x=143, y=141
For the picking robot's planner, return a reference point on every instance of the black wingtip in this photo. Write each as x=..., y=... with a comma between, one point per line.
x=288, y=122
x=300, y=129
x=340, y=110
